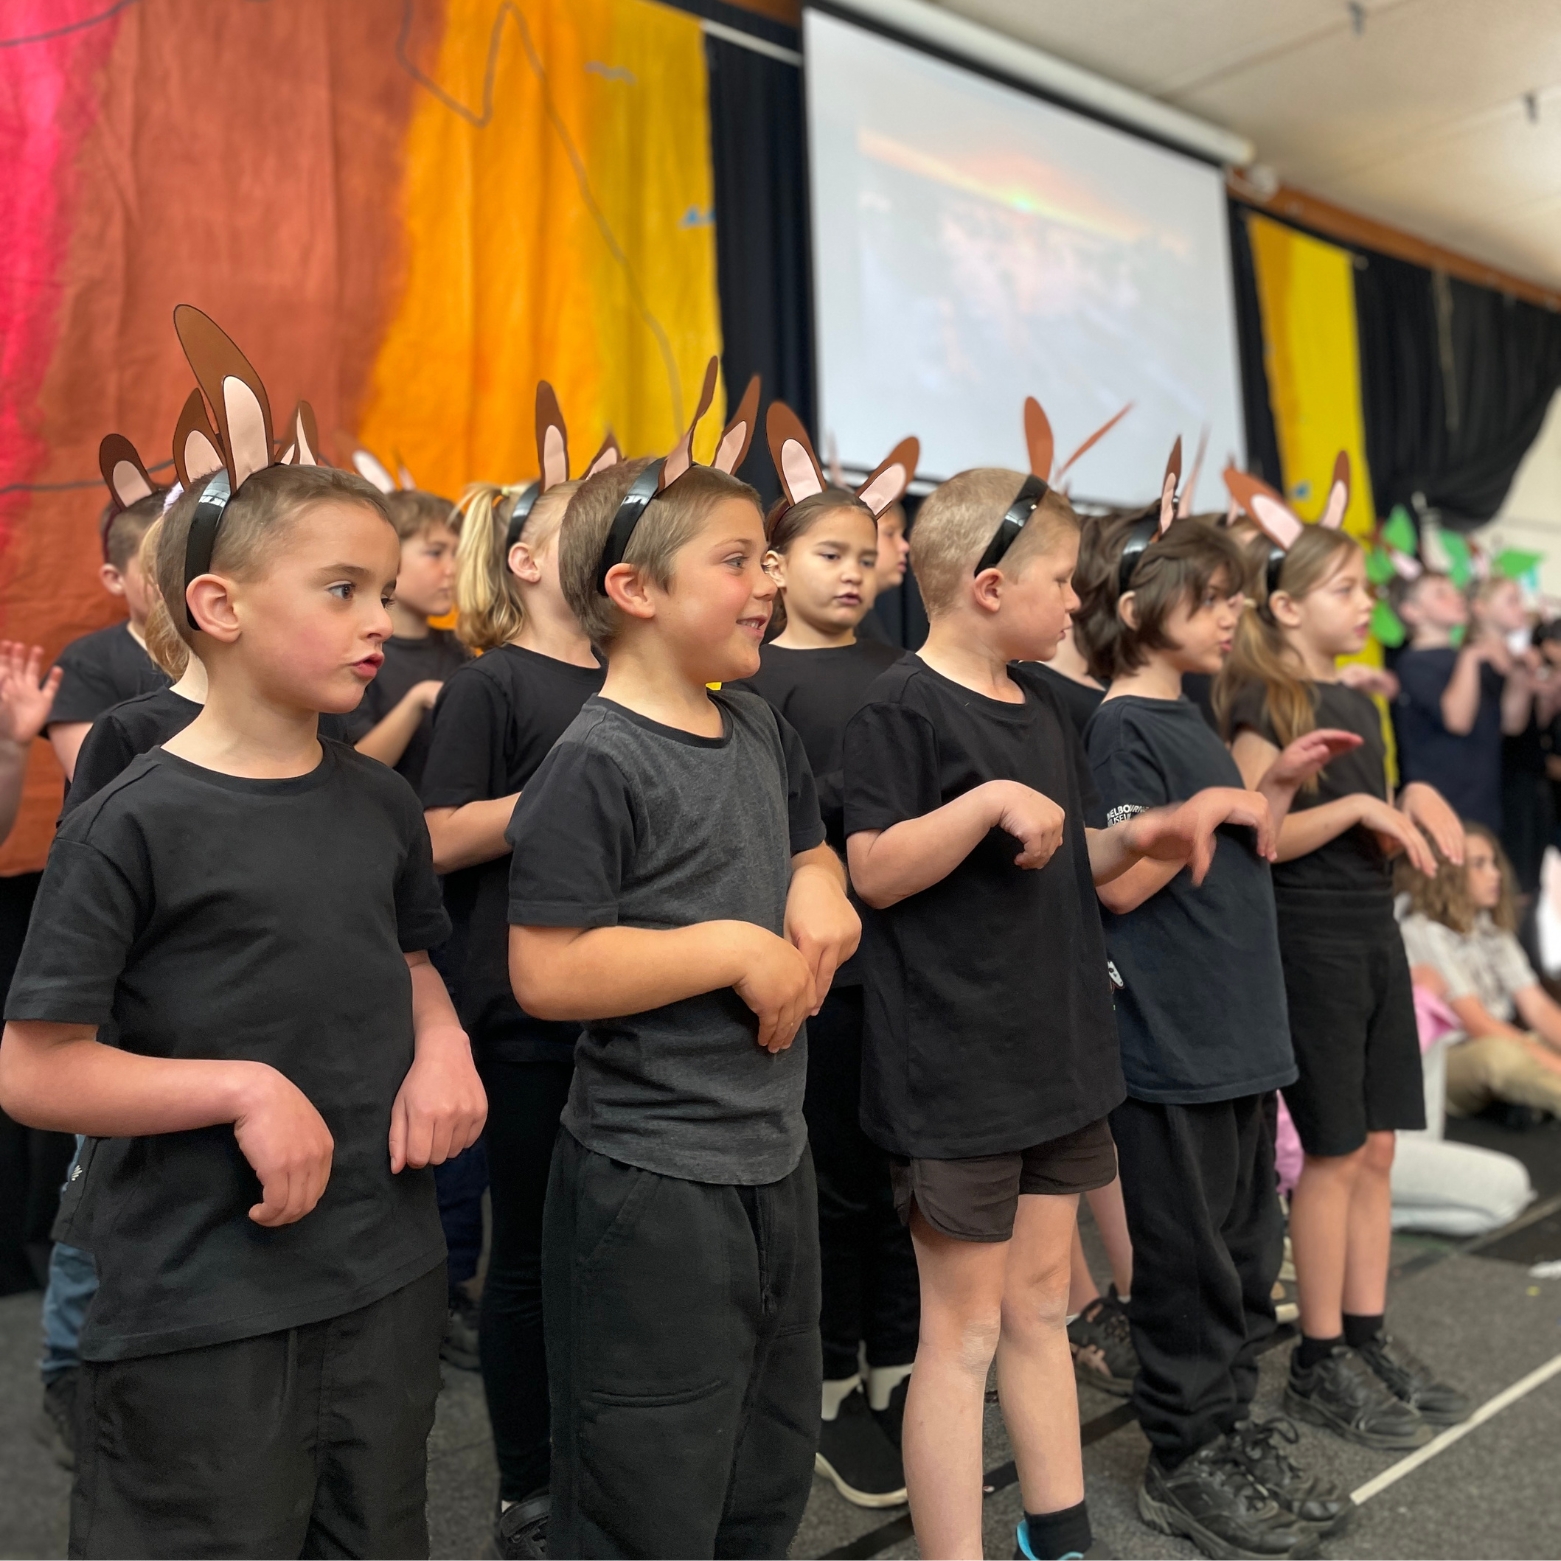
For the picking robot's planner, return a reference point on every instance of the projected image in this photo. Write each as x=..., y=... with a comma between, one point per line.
x=974, y=245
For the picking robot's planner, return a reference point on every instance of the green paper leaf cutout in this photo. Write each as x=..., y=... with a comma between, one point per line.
x=1514, y=563
x=1399, y=532
x=1461, y=566
x=1456, y=634
x=1386, y=627
x=1379, y=567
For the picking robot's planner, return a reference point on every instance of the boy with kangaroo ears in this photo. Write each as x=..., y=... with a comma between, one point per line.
x=225, y=987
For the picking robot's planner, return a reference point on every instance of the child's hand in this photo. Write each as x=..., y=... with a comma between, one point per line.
x=821, y=926
x=778, y=987
x=25, y=702
x=440, y=1108
x=1034, y=820
x=1429, y=811
x=1369, y=680
x=287, y=1144
x=421, y=696
x=1186, y=833
x=1307, y=755
x=1396, y=833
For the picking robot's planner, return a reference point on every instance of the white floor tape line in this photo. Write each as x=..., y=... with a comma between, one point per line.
x=1487, y=1411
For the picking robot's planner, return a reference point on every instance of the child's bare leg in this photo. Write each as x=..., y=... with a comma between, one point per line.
x=1370, y=1230
x=1105, y=1203
x=1319, y=1231
x=961, y=1312
x=1034, y=1364
x=1082, y=1288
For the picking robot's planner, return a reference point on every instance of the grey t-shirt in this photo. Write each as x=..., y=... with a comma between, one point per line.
x=631, y=823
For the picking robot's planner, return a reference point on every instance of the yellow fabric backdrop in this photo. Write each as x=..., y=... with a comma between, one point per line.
x=558, y=208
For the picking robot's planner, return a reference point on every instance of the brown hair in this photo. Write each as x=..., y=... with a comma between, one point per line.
x=787, y=524
x=1401, y=590
x=1176, y=567
x=489, y=611
x=1262, y=654
x=414, y=513
x=255, y=523
x=124, y=529
x=670, y=521
x=957, y=521
x=1444, y=897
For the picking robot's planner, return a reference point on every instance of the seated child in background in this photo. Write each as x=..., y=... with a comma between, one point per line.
x=217, y=929
x=112, y=664
x=990, y=1059
x=395, y=723
x=671, y=887
x=1462, y=925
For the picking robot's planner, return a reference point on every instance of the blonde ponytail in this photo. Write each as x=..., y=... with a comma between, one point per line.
x=164, y=644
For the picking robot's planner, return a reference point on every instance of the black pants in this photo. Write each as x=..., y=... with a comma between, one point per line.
x=868, y=1265
x=308, y=1442
x=524, y=1101
x=1208, y=1239
x=683, y=1359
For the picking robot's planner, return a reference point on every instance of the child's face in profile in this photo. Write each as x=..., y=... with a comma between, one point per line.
x=828, y=572
x=312, y=622
x=1334, y=617
x=1202, y=630
x=1481, y=872
x=426, y=584
x=714, y=612
x=894, y=550
x=1436, y=603
x=1502, y=609
x=1039, y=601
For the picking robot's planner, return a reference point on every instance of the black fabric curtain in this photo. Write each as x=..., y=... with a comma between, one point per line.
x=1257, y=412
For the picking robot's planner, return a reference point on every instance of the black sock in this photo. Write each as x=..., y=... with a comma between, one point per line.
x=1360, y=1330
x=1062, y=1533
x=1310, y=1351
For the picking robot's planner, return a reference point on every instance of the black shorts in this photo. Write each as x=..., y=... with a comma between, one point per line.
x=1352, y=1021
x=977, y=1199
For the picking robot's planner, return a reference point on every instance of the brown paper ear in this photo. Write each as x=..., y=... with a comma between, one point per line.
x=232, y=387
x=737, y=436
x=1184, y=507
x=127, y=478
x=552, y=439
x=1038, y=439
x=1168, y=486
x=403, y=476
x=682, y=456
x=304, y=450
x=372, y=469
x=197, y=452
x=792, y=452
x=888, y=481
x=1338, y=493
x=1274, y=518
x=1094, y=439
x=609, y=455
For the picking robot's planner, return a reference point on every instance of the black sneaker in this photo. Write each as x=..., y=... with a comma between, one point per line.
x=55, y=1426
x=1212, y=1500
x=857, y=1457
x=1102, y=1345
x=460, y=1333
x=1410, y=1380
x=1344, y=1395
x=1308, y=1498
x=891, y=1421
x=520, y=1530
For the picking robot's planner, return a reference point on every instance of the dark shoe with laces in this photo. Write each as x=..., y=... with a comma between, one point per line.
x=460, y=1333
x=1212, y=1500
x=1258, y=1445
x=1102, y=1345
x=891, y=1420
x=56, y=1423
x=1411, y=1381
x=857, y=1458
x=520, y=1529
x=1342, y=1394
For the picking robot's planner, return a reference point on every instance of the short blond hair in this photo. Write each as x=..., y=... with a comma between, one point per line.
x=669, y=523
x=959, y=519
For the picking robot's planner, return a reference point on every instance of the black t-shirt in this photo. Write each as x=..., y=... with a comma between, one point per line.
x=1351, y=863
x=1080, y=700
x=988, y=1001
x=407, y=663
x=1199, y=688
x=192, y=914
x=1201, y=1013
x=1466, y=770
x=493, y=725
x=101, y=670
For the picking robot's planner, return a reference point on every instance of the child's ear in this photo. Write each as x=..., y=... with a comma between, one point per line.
x=986, y=589
x=1127, y=609
x=210, y=602
x=523, y=563
x=627, y=590
x=113, y=581
x=775, y=567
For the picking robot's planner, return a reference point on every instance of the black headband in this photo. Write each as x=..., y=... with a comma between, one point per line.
x=524, y=504
x=634, y=504
x=1013, y=522
x=1275, y=567
x=1138, y=540
x=202, y=538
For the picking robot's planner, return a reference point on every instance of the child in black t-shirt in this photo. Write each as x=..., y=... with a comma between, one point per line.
x=1201, y=1057
x=1352, y=1020
x=671, y=887
x=990, y=1059
x=112, y=664
x=494, y=723
x=394, y=724
x=223, y=986
x=822, y=548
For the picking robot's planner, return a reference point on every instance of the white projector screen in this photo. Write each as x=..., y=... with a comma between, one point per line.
x=973, y=245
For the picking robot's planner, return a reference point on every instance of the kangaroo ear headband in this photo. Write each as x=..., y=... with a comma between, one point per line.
x=801, y=475
x=1277, y=521
x=552, y=461
x=736, y=437
x=127, y=477
x=1155, y=524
